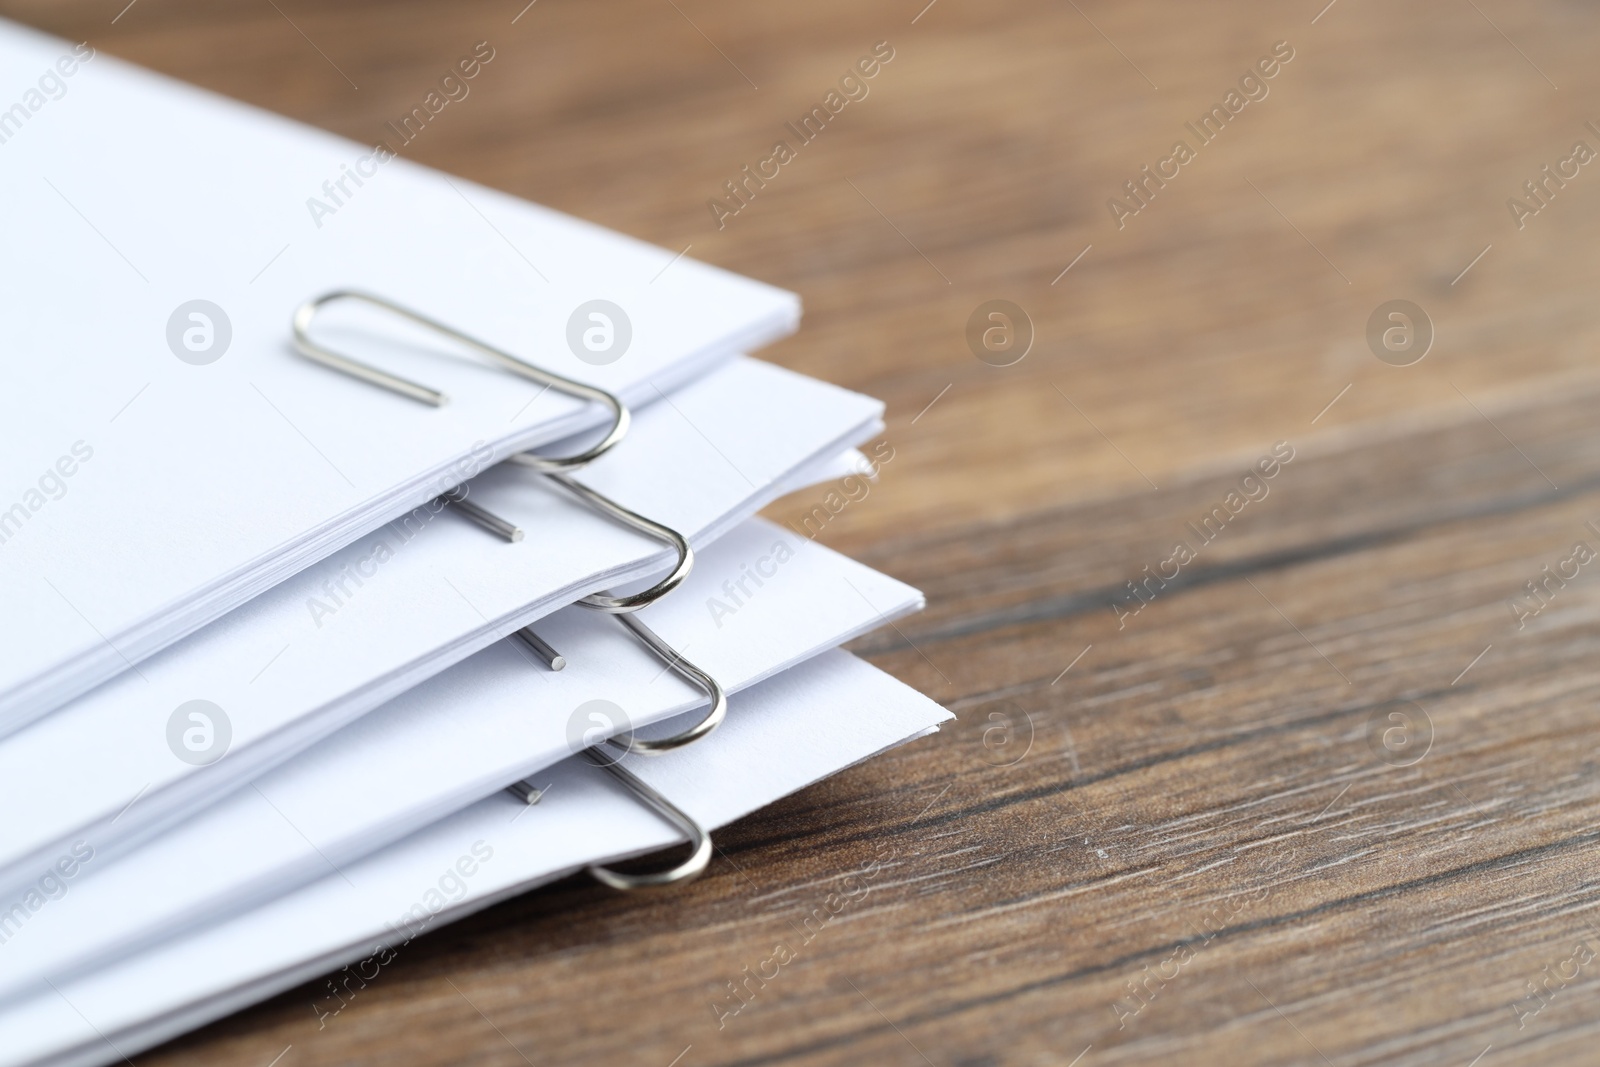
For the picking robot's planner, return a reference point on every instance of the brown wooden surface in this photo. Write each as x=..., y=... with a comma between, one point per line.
x=1206, y=790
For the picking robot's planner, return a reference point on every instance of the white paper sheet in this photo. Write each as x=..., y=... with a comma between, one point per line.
x=285, y=672
x=802, y=725
x=759, y=601
x=142, y=494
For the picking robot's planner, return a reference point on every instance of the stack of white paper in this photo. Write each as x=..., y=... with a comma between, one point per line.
x=464, y=734
x=262, y=678
x=160, y=469
x=319, y=650
x=803, y=725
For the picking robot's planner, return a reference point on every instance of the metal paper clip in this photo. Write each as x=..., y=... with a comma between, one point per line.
x=481, y=516
x=526, y=792
x=304, y=345
x=689, y=869
x=686, y=670
x=552, y=659
x=699, y=838
x=627, y=742
x=617, y=605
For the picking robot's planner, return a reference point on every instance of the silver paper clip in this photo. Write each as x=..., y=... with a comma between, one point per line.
x=699, y=839
x=552, y=659
x=310, y=349
x=482, y=516
x=604, y=505
x=684, y=669
x=618, y=605
x=627, y=742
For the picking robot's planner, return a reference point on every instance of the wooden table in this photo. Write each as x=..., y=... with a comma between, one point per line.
x=1329, y=795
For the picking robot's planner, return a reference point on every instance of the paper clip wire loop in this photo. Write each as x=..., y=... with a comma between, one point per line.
x=689, y=869
x=684, y=669
x=310, y=349
x=618, y=605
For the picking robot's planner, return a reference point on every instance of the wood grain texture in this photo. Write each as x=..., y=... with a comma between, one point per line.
x=1323, y=800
